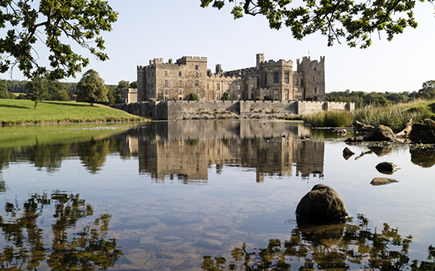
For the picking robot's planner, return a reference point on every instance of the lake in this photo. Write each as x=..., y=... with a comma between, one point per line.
x=207, y=195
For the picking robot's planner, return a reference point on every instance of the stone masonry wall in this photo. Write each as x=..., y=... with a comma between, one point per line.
x=179, y=110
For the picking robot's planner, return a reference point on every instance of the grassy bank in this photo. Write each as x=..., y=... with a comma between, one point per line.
x=393, y=116
x=22, y=112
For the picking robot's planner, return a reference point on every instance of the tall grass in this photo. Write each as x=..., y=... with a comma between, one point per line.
x=393, y=116
x=329, y=119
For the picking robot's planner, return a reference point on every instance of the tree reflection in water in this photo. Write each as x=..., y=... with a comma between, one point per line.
x=346, y=246
x=27, y=249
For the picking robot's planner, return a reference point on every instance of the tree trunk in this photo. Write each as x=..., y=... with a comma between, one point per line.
x=36, y=102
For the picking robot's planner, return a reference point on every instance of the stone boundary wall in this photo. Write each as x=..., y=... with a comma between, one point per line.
x=179, y=110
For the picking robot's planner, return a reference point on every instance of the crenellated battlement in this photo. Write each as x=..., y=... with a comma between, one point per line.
x=280, y=62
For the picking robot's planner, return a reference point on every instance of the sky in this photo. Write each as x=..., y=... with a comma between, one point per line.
x=148, y=29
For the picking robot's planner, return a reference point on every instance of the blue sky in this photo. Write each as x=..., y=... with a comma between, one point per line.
x=148, y=29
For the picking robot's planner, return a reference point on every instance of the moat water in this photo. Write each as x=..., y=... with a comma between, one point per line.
x=206, y=195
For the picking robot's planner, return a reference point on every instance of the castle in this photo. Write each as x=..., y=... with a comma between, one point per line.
x=169, y=81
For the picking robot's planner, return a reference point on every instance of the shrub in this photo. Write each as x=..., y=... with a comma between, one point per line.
x=269, y=98
x=258, y=98
x=153, y=100
x=193, y=96
x=225, y=97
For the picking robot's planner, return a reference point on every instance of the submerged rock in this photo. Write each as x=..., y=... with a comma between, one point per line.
x=380, y=133
x=322, y=204
x=326, y=234
x=386, y=167
x=347, y=153
x=382, y=181
x=423, y=132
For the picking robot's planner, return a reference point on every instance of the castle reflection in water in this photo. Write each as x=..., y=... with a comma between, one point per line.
x=186, y=150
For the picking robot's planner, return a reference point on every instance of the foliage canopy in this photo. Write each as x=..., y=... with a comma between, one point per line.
x=91, y=88
x=353, y=21
x=54, y=23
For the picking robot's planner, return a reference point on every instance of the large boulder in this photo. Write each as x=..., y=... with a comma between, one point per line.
x=423, y=132
x=322, y=204
x=380, y=133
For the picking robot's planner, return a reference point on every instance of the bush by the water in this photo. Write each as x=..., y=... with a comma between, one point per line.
x=329, y=119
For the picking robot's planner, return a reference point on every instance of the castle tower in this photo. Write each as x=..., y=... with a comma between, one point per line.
x=260, y=59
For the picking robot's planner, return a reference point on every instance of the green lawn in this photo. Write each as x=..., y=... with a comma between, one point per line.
x=22, y=111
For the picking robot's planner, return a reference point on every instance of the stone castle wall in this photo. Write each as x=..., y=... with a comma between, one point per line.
x=179, y=110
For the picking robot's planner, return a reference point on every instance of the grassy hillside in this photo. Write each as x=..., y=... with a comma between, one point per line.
x=22, y=111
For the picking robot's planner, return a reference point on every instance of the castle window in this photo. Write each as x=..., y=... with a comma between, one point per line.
x=315, y=69
x=196, y=74
x=252, y=86
x=265, y=79
x=302, y=82
x=313, y=78
x=315, y=90
x=228, y=87
x=217, y=96
x=238, y=87
x=196, y=67
x=296, y=82
x=166, y=83
x=180, y=91
x=208, y=87
x=166, y=91
x=286, y=77
x=218, y=86
x=275, y=78
x=179, y=73
x=196, y=83
x=179, y=84
x=196, y=90
x=166, y=73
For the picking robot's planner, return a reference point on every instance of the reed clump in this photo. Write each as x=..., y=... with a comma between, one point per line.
x=329, y=119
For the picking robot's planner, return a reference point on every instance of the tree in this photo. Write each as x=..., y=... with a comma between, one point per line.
x=36, y=90
x=56, y=91
x=133, y=84
x=428, y=90
x=91, y=88
x=4, y=93
x=352, y=21
x=61, y=21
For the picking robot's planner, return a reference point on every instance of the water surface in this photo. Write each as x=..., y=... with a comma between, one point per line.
x=198, y=195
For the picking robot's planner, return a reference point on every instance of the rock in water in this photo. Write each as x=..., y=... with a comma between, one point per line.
x=386, y=167
x=347, y=153
x=380, y=133
x=382, y=181
x=423, y=132
x=322, y=204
